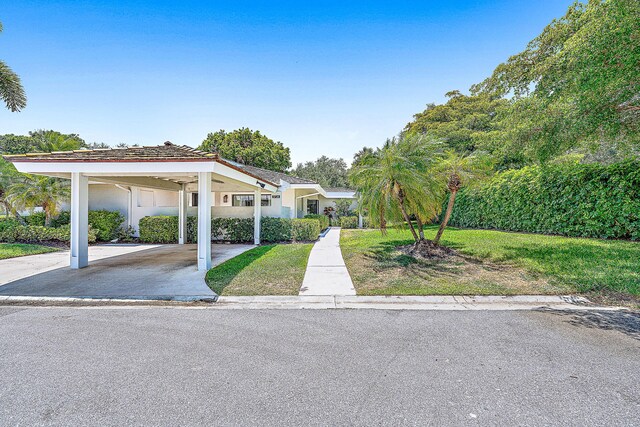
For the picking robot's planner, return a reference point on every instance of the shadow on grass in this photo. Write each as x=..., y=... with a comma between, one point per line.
x=588, y=267
x=387, y=256
x=625, y=322
x=221, y=276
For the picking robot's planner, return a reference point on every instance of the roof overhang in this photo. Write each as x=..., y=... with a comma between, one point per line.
x=158, y=174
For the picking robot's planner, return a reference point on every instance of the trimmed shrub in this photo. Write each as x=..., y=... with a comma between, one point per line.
x=305, y=229
x=581, y=200
x=158, y=229
x=106, y=223
x=275, y=229
x=39, y=234
x=324, y=220
x=235, y=230
x=63, y=218
x=6, y=223
x=349, y=222
x=35, y=219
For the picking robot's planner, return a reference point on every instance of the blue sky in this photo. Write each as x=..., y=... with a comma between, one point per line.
x=323, y=77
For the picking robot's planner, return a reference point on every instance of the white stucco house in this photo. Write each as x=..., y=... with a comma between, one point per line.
x=175, y=180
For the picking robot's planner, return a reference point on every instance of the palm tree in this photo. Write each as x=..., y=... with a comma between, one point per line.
x=31, y=191
x=394, y=182
x=11, y=90
x=48, y=141
x=8, y=176
x=457, y=171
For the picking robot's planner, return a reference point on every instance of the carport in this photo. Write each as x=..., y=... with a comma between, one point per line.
x=165, y=167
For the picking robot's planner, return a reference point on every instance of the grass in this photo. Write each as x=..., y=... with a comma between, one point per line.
x=265, y=270
x=492, y=262
x=13, y=250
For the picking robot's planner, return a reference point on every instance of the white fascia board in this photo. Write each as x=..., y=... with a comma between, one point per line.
x=236, y=175
x=341, y=195
x=315, y=187
x=114, y=168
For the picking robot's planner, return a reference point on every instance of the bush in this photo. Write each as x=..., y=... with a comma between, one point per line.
x=349, y=222
x=159, y=229
x=275, y=229
x=305, y=229
x=40, y=234
x=6, y=223
x=106, y=223
x=35, y=219
x=324, y=220
x=570, y=199
x=235, y=230
x=63, y=218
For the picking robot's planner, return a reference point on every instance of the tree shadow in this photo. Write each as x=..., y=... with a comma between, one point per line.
x=626, y=322
x=221, y=276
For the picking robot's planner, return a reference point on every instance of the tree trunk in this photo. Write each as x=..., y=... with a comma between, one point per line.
x=420, y=228
x=447, y=215
x=47, y=216
x=407, y=219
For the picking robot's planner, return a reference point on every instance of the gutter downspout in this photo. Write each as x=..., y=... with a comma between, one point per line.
x=129, y=202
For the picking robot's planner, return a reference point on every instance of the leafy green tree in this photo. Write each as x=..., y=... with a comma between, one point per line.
x=457, y=171
x=396, y=182
x=30, y=191
x=250, y=148
x=575, y=85
x=11, y=90
x=361, y=155
x=460, y=121
x=16, y=144
x=47, y=141
x=325, y=171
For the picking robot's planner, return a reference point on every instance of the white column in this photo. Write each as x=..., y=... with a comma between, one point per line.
x=182, y=215
x=359, y=220
x=257, y=216
x=204, y=221
x=79, y=220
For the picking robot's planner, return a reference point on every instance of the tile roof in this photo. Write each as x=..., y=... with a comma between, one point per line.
x=271, y=175
x=165, y=152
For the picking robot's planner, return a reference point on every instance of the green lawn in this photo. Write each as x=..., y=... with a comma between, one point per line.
x=492, y=262
x=12, y=250
x=265, y=270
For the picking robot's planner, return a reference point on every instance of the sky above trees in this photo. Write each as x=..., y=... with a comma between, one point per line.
x=324, y=79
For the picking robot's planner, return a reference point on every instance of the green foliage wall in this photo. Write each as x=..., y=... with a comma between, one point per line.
x=39, y=234
x=324, y=220
x=105, y=223
x=164, y=229
x=569, y=199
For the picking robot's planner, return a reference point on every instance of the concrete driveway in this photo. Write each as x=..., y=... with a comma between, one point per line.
x=115, y=271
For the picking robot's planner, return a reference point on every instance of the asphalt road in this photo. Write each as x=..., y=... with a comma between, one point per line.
x=168, y=366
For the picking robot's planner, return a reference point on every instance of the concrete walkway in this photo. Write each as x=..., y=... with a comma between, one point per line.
x=114, y=271
x=326, y=272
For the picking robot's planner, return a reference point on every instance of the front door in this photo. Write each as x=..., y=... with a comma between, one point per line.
x=312, y=207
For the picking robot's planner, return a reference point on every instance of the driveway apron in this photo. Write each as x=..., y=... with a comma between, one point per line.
x=326, y=272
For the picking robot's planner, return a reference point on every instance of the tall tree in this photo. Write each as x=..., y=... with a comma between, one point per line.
x=51, y=140
x=576, y=84
x=11, y=90
x=460, y=122
x=250, y=148
x=457, y=171
x=396, y=182
x=325, y=171
x=360, y=155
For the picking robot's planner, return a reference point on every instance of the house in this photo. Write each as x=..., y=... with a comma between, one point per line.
x=174, y=180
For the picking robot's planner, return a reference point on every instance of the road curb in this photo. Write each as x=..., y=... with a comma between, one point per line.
x=320, y=302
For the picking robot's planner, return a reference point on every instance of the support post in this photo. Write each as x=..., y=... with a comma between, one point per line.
x=204, y=221
x=79, y=221
x=182, y=215
x=257, y=216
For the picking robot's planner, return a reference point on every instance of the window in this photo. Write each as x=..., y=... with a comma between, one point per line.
x=242, y=200
x=194, y=199
x=312, y=207
x=247, y=200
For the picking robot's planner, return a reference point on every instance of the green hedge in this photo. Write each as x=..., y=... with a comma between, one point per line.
x=305, y=229
x=40, y=234
x=574, y=200
x=275, y=229
x=324, y=220
x=349, y=221
x=107, y=224
x=164, y=229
